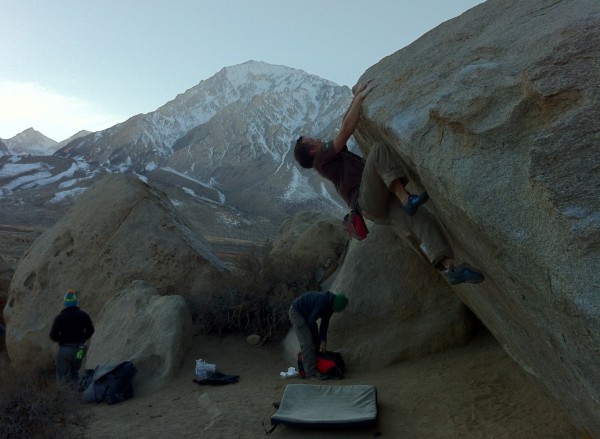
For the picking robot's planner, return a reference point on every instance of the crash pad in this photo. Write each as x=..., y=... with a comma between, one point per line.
x=327, y=406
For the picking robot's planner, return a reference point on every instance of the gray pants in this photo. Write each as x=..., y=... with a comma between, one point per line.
x=67, y=363
x=307, y=336
x=383, y=166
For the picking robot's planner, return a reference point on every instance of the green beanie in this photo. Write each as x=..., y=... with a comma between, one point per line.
x=339, y=302
x=70, y=299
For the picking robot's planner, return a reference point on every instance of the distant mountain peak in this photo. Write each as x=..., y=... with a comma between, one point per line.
x=31, y=142
x=233, y=131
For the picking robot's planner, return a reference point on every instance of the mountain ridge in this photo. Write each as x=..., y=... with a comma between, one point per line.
x=224, y=144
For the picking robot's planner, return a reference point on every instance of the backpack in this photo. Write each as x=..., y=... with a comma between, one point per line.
x=330, y=364
x=109, y=383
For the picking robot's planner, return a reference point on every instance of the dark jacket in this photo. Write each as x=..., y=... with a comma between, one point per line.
x=315, y=305
x=71, y=326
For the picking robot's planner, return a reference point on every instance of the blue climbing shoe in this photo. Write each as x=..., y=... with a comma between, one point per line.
x=464, y=274
x=413, y=203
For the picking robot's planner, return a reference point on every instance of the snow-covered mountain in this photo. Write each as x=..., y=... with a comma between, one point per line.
x=232, y=134
x=77, y=135
x=222, y=151
x=30, y=142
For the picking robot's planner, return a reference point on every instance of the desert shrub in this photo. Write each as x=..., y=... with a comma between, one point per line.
x=255, y=297
x=33, y=405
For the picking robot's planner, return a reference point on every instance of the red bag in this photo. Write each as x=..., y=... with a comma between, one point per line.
x=355, y=225
x=330, y=364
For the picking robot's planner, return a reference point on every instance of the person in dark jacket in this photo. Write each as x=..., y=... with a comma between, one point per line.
x=304, y=313
x=71, y=328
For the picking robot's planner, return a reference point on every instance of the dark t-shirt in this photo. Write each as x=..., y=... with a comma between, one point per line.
x=344, y=170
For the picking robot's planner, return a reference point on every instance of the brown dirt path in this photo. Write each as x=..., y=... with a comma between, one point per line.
x=475, y=391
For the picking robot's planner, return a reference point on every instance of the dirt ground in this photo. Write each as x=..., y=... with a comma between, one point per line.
x=475, y=391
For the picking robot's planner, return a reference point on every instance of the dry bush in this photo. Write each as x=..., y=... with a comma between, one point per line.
x=33, y=405
x=256, y=296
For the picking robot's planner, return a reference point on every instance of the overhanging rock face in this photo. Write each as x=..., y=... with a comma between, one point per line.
x=496, y=115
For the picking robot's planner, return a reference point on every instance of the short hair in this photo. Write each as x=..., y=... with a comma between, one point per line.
x=302, y=153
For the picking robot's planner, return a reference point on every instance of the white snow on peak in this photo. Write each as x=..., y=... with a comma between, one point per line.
x=262, y=74
x=299, y=188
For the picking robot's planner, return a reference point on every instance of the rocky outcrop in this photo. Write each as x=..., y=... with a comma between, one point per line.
x=120, y=230
x=399, y=307
x=6, y=274
x=312, y=236
x=151, y=331
x=496, y=115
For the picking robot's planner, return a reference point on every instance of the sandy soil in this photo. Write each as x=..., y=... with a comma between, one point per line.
x=475, y=391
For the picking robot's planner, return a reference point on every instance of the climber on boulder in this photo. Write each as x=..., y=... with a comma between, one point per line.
x=376, y=187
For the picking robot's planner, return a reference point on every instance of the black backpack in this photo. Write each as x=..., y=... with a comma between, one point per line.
x=109, y=383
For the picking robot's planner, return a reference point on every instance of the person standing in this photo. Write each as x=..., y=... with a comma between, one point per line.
x=304, y=313
x=71, y=328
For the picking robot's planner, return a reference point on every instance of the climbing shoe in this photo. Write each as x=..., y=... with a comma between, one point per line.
x=464, y=274
x=413, y=203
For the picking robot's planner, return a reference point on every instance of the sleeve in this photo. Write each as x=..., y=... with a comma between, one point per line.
x=323, y=311
x=55, y=331
x=324, y=326
x=314, y=315
x=89, y=327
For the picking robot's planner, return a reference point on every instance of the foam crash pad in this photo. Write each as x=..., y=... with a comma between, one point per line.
x=327, y=406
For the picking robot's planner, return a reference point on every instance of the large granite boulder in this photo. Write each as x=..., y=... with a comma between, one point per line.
x=139, y=325
x=317, y=238
x=399, y=307
x=120, y=230
x=495, y=114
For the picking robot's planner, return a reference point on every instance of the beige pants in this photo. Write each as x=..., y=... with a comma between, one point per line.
x=383, y=166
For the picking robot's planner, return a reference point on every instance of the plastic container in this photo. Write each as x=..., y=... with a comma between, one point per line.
x=204, y=369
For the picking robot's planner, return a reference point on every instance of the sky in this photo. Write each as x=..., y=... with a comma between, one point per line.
x=69, y=65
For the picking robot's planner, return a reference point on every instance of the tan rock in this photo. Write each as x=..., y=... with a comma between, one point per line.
x=152, y=331
x=399, y=307
x=6, y=274
x=120, y=230
x=315, y=237
x=253, y=339
x=496, y=115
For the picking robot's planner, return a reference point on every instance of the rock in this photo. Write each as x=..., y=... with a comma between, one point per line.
x=253, y=339
x=312, y=236
x=119, y=230
x=399, y=307
x=495, y=114
x=6, y=274
x=138, y=325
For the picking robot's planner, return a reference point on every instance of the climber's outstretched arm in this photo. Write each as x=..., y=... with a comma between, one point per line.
x=352, y=116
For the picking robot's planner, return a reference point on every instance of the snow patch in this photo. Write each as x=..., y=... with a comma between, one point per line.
x=63, y=195
x=299, y=188
x=13, y=169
